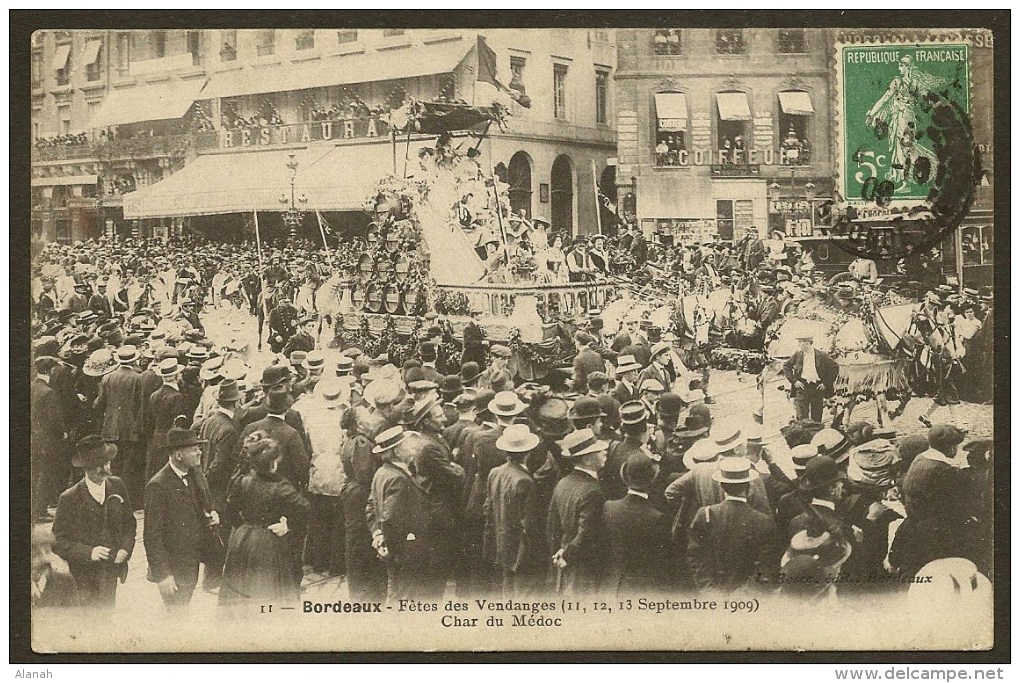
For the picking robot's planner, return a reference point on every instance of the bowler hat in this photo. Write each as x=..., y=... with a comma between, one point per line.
x=275, y=375
x=585, y=408
x=451, y=385
x=945, y=435
x=469, y=372
x=669, y=405
x=181, y=438
x=819, y=471
x=639, y=471
x=92, y=451
x=228, y=391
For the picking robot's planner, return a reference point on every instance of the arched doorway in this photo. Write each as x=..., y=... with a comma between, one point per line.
x=607, y=183
x=519, y=179
x=562, y=195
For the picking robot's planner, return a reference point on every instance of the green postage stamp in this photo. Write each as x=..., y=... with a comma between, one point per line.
x=887, y=132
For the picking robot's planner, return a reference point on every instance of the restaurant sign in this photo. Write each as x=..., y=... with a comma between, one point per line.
x=311, y=131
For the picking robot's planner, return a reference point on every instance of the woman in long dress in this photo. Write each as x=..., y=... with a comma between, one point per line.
x=555, y=259
x=267, y=512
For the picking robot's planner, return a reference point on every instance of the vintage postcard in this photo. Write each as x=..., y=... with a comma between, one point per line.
x=508, y=338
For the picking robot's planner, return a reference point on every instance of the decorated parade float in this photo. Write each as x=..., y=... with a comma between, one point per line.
x=444, y=248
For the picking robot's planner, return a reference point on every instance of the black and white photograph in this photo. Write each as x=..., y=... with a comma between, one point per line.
x=416, y=338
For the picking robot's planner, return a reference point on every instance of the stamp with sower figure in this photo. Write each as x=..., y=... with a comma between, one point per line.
x=907, y=164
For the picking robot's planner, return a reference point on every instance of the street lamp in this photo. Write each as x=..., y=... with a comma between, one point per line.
x=292, y=215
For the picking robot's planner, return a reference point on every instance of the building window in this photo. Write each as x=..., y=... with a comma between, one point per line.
x=560, y=91
x=729, y=41
x=733, y=217
x=123, y=53
x=305, y=39
x=37, y=66
x=390, y=32
x=519, y=180
x=977, y=245
x=601, y=96
x=158, y=44
x=228, y=51
x=265, y=44
x=667, y=41
x=517, y=65
x=347, y=36
x=195, y=47
x=792, y=41
x=94, y=69
x=795, y=115
x=64, y=114
x=671, y=119
x=733, y=121
x=64, y=74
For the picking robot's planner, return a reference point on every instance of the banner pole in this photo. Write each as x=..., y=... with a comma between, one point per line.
x=598, y=204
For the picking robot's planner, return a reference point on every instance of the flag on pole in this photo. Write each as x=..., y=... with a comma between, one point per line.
x=486, y=73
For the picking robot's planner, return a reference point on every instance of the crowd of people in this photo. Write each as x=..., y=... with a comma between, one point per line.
x=412, y=480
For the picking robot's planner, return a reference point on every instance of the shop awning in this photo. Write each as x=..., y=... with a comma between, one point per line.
x=796, y=103
x=733, y=106
x=65, y=180
x=92, y=49
x=344, y=178
x=147, y=103
x=60, y=57
x=671, y=110
x=373, y=66
x=231, y=182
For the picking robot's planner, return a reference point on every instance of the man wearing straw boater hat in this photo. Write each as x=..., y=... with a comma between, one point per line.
x=479, y=455
x=513, y=516
x=398, y=519
x=94, y=525
x=122, y=403
x=627, y=371
x=574, y=525
x=179, y=519
x=730, y=543
x=166, y=408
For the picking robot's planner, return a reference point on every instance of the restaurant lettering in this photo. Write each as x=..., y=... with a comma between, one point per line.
x=346, y=129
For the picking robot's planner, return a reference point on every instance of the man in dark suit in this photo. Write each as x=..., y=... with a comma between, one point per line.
x=638, y=533
x=165, y=405
x=122, y=403
x=219, y=429
x=730, y=542
x=179, y=519
x=474, y=342
x=398, y=518
x=512, y=540
x=49, y=432
x=294, y=460
x=479, y=456
x=98, y=302
x=575, y=527
x=630, y=335
x=627, y=372
x=586, y=361
x=639, y=248
x=95, y=526
x=282, y=324
x=812, y=376
x=304, y=338
x=661, y=367
x=275, y=379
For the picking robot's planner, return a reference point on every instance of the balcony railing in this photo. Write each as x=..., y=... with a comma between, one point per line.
x=143, y=147
x=62, y=152
x=736, y=170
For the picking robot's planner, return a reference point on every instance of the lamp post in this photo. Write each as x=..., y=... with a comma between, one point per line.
x=292, y=215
